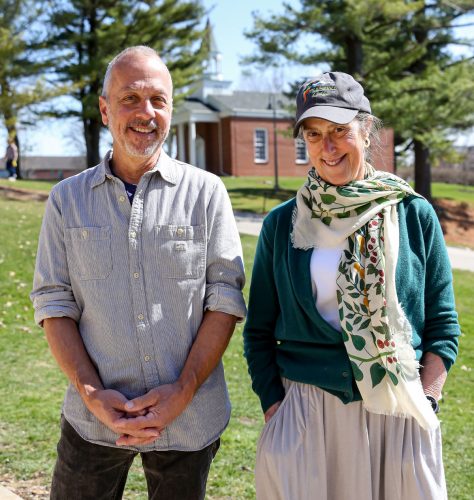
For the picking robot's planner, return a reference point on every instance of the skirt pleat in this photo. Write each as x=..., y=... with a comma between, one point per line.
x=317, y=448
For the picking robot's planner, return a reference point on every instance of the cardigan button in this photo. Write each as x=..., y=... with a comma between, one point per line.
x=345, y=374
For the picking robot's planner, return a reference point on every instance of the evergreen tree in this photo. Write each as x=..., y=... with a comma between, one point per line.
x=21, y=85
x=399, y=49
x=86, y=34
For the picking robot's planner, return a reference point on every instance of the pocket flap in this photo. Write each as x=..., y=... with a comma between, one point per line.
x=88, y=233
x=179, y=232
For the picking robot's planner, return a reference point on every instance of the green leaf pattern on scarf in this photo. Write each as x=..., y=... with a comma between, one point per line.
x=361, y=278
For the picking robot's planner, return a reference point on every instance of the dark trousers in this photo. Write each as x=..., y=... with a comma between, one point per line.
x=11, y=169
x=87, y=471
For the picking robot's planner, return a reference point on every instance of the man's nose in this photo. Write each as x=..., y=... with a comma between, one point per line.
x=146, y=109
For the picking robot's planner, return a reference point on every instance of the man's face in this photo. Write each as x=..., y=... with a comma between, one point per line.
x=138, y=106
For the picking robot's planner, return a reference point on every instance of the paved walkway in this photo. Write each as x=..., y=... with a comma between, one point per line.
x=6, y=494
x=461, y=258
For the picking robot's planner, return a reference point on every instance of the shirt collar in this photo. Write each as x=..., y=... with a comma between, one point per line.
x=164, y=166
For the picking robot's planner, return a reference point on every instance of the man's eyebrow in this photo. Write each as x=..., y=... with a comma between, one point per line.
x=135, y=88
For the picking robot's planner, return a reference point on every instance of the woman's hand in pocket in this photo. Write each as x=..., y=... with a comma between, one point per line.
x=271, y=411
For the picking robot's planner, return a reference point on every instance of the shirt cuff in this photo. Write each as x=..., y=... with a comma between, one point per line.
x=45, y=309
x=225, y=299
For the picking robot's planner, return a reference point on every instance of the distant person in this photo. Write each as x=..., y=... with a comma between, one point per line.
x=138, y=286
x=11, y=158
x=351, y=326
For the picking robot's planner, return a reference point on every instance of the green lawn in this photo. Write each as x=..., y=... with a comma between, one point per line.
x=455, y=192
x=257, y=194
x=27, y=184
x=31, y=386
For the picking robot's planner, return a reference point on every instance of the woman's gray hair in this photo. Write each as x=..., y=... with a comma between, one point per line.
x=372, y=126
x=369, y=124
x=140, y=49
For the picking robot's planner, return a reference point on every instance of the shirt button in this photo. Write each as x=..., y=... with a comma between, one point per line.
x=147, y=358
x=180, y=231
x=136, y=275
x=85, y=233
x=133, y=234
x=345, y=374
x=122, y=198
x=140, y=316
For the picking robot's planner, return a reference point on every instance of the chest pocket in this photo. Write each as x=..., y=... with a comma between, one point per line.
x=89, y=252
x=180, y=251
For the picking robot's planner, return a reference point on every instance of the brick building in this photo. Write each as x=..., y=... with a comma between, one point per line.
x=243, y=133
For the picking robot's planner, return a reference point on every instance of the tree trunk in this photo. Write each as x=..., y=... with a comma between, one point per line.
x=422, y=169
x=92, y=130
x=355, y=55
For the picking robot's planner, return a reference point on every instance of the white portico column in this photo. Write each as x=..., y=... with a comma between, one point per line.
x=181, y=154
x=192, y=142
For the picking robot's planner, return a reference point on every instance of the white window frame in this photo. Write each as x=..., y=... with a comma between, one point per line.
x=257, y=144
x=299, y=143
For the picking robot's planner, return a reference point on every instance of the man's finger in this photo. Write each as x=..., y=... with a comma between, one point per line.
x=141, y=403
x=132, y=427
x=127, y=440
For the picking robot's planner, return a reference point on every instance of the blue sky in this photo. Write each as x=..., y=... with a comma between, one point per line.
x=229, y=20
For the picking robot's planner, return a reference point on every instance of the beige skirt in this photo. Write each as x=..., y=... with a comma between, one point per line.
x=317, y=448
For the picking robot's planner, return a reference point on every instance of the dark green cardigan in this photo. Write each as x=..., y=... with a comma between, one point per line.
x=285, y=336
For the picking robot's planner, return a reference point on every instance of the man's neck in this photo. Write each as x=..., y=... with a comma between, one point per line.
x=131, y=169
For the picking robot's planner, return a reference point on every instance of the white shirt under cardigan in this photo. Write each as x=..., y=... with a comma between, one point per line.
x=324, y=268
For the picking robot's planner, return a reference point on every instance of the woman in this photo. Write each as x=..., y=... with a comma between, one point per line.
x=351, y=326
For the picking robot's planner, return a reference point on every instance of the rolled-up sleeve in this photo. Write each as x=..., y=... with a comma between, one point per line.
x=52, y=294
x=225, y=277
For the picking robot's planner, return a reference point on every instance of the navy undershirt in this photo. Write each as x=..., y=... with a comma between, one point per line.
x=130, y=190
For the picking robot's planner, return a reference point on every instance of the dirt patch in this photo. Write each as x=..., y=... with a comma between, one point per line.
x=13, y=193
x=30, y=489
x=457, y=222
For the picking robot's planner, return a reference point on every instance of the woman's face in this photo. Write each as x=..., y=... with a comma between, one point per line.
x=336, y=151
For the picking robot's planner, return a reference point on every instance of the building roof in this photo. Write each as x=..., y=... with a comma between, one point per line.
x=248, y=100
x=238, y=103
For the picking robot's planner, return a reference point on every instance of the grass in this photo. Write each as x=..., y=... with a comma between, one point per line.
x=32, y=387
x=455, y=192
x=29, y=184
x=257, y=194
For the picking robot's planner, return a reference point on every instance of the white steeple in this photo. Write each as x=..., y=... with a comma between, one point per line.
x=212, y=81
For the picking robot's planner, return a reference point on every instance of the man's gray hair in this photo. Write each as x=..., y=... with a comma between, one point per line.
x=140, y=49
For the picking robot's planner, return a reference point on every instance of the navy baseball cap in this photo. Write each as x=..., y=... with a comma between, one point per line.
x=332, y=96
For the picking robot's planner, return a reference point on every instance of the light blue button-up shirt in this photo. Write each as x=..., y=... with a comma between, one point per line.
x=137, y=280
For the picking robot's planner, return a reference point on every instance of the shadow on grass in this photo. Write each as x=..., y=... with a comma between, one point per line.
x=258, y=199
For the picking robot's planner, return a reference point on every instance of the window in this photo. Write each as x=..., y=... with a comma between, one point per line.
x=301, y=151
x=260, y=145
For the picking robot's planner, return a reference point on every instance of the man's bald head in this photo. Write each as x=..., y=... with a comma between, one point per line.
x=125, y=56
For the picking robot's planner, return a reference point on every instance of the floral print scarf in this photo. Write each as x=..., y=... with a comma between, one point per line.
x=375, y=330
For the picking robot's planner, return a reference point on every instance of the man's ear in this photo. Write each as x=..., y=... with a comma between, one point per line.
x=103, y=110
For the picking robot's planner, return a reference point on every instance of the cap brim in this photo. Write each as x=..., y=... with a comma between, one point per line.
x=330, y=113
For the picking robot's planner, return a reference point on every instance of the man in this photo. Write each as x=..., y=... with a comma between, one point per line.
x=139, y=301
x=11, y=158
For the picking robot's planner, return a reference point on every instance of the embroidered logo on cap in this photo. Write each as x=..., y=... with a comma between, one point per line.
x=320, y=87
